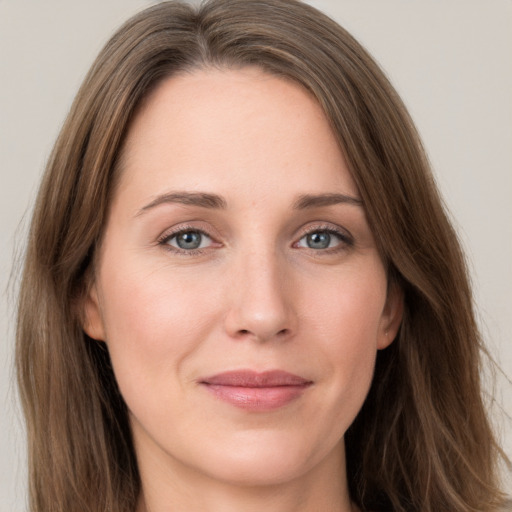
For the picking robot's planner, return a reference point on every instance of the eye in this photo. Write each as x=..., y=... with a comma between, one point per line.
x=188, y=240
x=322, y=239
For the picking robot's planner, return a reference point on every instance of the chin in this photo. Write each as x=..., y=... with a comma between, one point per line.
x=265, y=460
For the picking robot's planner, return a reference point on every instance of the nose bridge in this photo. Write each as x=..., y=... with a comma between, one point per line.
x=261, y=306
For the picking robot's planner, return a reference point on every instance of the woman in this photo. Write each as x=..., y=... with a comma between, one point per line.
x=241, y=289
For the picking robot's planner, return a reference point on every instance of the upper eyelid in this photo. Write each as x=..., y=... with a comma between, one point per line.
x=332, y=228
x=172, y=232
x=342, y=237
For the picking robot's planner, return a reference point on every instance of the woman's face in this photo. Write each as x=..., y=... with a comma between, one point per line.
x=238, y=286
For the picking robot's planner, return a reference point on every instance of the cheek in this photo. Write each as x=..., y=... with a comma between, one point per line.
x=346, y=323
x=348, y=311
x=152, y=324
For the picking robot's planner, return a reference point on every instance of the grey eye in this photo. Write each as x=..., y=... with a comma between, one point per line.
x=189, y=240
x=323, y=239
x=318, y=240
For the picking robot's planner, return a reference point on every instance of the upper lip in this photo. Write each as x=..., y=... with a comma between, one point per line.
x=254, y=379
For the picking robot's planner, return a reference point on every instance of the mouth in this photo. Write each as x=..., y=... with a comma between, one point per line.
x=256, y=391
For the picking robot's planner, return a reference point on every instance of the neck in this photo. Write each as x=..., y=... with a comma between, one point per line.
x=323, y=487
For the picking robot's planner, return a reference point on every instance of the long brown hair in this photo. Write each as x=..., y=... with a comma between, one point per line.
x=422, y=441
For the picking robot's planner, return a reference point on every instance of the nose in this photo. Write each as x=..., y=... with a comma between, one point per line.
x=261, y=305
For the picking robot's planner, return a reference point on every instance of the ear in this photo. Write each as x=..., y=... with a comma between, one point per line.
x=93, y=324
x=391, y=316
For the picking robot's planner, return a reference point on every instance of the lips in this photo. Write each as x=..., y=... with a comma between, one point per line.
x=256, y=391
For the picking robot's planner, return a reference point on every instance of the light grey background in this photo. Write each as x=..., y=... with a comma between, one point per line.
x=451, y=60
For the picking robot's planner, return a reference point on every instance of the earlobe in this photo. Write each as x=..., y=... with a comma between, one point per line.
x=391, y=316
x=92, y=320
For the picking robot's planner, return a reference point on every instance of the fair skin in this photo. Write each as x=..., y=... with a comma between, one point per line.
x=237, y=241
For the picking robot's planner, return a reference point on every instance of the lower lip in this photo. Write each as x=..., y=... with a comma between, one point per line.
x=257, y=399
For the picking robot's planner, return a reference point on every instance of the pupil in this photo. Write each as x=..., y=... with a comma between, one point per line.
x=189, y=240
x=319, y=240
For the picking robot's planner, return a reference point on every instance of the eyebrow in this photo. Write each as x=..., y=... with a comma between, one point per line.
x=201, y=199
x=214, y=201
x=315, y=201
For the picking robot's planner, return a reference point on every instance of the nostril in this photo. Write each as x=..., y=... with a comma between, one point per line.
x=246, y=332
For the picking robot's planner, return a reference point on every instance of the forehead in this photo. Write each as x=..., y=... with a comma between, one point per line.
x=232, y=130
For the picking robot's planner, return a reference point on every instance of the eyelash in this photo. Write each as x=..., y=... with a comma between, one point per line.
x=164, y=239
x=346, y=240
